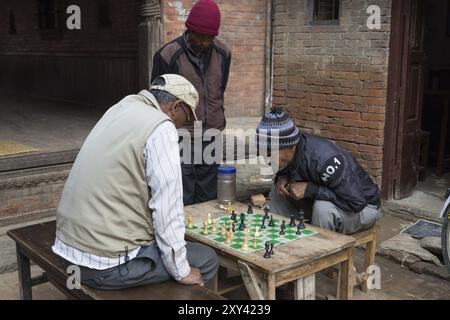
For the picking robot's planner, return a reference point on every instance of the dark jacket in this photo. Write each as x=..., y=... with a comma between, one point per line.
x=209, y=76
x=332, y=174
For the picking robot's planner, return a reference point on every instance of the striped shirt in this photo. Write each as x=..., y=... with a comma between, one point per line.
x=163, y=174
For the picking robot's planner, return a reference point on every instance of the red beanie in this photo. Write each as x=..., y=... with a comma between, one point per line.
x=204, y=18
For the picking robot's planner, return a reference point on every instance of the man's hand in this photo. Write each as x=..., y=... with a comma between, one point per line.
x=282, y=184
x=194, y=277
x=297, y=190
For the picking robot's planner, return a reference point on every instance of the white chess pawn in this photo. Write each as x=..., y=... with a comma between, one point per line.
x=209, y=219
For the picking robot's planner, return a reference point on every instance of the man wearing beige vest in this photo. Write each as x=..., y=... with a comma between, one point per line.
x=121, y=217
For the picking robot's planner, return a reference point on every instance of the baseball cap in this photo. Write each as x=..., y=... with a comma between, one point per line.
x=180, y=88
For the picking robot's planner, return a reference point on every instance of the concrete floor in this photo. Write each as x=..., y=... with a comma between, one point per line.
x=44, y=124
x=50, y=125
x=427, y=199
x=396, y=283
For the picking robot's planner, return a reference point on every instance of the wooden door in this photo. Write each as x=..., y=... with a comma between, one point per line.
x=405, y=94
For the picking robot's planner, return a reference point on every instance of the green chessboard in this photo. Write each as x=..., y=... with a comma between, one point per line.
x=252, y=221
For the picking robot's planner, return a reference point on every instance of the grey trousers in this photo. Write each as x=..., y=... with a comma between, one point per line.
x=147, y=268
x=328, y=216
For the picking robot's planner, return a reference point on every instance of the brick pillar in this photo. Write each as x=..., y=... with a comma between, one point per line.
x=150, y=38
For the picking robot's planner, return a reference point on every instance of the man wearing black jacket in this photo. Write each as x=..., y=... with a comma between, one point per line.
x=345, y=199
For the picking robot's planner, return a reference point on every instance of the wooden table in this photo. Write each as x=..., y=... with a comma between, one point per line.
x=444, y=97
x=296, y=261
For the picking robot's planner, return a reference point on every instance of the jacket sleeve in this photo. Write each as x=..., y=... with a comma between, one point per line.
x=160, y=66
x=339, y=185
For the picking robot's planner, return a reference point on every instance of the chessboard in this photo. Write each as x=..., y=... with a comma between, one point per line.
x=220, y=224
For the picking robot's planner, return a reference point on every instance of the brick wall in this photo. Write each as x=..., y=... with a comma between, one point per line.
x=243, y=29
x=333, y=78
x=94, y=65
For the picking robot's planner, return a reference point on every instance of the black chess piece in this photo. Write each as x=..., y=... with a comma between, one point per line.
x=233, y=227
x=271, y=221
x=250, y=209
x=292, y=223
x=267, y=245
x=234, y=216
x=282, y=227
x=299, y=230
x=271, y=249
x=263, y=225
x=266, y=213
x=242, y=216
x=301, y=214
x=283, y=224
x=267, y=254
x=242, y=225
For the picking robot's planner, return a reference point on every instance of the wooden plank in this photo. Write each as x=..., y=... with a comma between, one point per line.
x=289, y=255
x=23, y=269
x=305, y=288
x=250, y=282
x=345, y=286
x=305, y=270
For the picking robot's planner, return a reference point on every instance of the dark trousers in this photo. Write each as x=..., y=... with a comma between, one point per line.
x=147, y=268
x=199, y=183
x=199, y=180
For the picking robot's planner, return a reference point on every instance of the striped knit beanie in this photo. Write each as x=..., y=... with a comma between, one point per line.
x=276, y=130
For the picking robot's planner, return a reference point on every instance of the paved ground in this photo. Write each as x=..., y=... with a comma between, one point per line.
x=396, y=283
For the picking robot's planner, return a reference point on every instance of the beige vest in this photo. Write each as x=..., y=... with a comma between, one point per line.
x=104, y=205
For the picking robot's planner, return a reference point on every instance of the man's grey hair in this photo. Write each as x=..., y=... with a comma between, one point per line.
x=162, y=97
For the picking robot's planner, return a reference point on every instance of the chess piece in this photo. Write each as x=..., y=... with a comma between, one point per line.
x=282, y=227
x=223, y=231
x=271, y=249
x=250, y=209
x=267, y=253
x=245, y=246
x=228, y=237
x=190, y=220
x=266, y=213
x=271, y=221
x=299, y=230
x=263, y=225
x=205, y=227
x=292, y=222
x=301, y=214
x=242, y=225
x=209, y=219
x=214, y=227
x=234, y=216
x=257, y=232
x=255, y=241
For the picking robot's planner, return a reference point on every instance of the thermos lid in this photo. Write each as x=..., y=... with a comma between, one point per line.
x=226, y=170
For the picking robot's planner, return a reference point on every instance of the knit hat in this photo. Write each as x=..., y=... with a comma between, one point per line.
x=204, y=18
x=276, y=130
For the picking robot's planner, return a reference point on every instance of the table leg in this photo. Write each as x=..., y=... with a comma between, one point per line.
x=443, y=138
x=24, y=271
x=346, y=277
x=250, y=282
x=305, y=288
x=269, y=287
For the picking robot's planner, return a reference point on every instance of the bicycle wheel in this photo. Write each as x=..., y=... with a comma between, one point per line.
x=445, y=237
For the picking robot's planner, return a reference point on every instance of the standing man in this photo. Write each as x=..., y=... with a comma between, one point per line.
x=344, y=197
x=205, y=61
x=121, y=217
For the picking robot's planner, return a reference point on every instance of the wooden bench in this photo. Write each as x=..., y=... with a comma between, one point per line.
x=34, y=243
